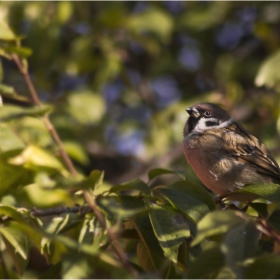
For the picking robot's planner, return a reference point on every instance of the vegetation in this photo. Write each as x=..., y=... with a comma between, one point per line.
x=93, y=180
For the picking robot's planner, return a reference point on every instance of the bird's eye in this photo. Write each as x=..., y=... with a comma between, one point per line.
x=207, y=114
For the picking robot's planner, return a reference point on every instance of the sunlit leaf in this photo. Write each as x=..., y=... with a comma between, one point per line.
x=22, y=52
x=75, y=266
x=46, y=197
x=189, y=198
x=270, y=192
x=13, y=177
x=36, y=158
x=12, y=213
x=94, y=181
x=18, y=247
x=268, y=73
x=152, y=20
x=59, y=224
x=87, y=232
x=9, y=112
x=111, y=205
x=201, y=18
x=161, y=171
x=216, y=222
x=9, y=142
x=86, y=107
x=5, y=32
x=76, y=151
x=14, y=237
x=135, y=184
x=65, y=10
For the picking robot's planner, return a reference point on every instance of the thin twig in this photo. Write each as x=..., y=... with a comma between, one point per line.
x=46, y=120
x=59, y=210
x=113, y=238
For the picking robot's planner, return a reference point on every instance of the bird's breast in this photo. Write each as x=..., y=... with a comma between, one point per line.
x=211, y=165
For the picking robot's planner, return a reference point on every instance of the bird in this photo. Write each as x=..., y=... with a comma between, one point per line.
x=223, y=154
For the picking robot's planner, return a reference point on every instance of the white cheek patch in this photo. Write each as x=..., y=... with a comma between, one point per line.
x=202, y=124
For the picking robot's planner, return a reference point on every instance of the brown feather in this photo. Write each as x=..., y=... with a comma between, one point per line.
x=247, y=148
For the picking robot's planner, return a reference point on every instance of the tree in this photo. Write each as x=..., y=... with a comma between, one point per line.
x=93, y=181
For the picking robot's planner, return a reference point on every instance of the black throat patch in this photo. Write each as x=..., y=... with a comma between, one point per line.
x=192, y=122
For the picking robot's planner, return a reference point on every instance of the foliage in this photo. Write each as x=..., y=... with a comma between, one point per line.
x=113, y=80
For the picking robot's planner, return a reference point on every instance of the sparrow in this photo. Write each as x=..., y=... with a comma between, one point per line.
x=222, y=153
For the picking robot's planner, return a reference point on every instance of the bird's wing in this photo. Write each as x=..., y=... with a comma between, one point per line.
x=246, y=147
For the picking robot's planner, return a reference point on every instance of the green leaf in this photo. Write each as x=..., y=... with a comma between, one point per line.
x=22, y=52
x=17, y=244
x=145, y=231
x=263, y=267
x=239, y=243
x=86, y=107
x=152, y=20
x=33, y=193
x=64, y=11
x=7, y=91
x=111, y=205
x=188, y=198
x=87, y=232
x=201, y=18
x=144, y=257
x=9, y=142
x=170, y=229
x=196, y=191
x=160, y=171
x=12, y=177
x=9, y=112
x=76, y=151
x=268, y=73
x=216, y=222
x=94, y=181
x=135, y=184
x=16, y=239
x=6, y=33
x=12, y=212
x=207, y=265
x=56, y=225
x=35, y=158
x=75, y=266
x=269, y=192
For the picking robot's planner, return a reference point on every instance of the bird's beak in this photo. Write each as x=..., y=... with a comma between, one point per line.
x=193, y=112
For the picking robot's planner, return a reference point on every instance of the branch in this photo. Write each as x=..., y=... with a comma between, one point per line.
x=112, y=236
x=59, y=210
x=46, y=120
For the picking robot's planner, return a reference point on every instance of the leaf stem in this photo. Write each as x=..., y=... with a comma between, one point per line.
x=23, y=70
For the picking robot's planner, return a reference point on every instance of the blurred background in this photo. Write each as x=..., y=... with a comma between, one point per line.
x=119, y=76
